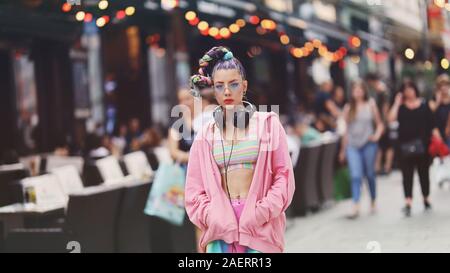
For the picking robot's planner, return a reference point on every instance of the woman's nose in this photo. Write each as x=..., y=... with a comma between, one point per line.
x=227, y=91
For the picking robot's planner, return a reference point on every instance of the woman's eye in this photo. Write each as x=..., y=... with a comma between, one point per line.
x=234, y=85
x=220, y=87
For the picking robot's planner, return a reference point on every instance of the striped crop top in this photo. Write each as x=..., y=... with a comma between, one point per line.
x=244, y=155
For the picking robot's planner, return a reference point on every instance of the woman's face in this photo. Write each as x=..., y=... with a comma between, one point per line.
x=445, y=91
x=339, y=94
x=229, y=87
x=409, y=93
x=123, y=130
x=185, y=98
x=358, y=92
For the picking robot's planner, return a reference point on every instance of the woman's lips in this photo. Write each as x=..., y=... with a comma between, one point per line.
x=228, y=101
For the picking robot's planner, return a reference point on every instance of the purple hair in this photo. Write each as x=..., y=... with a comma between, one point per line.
x=217, y=58
x=229, y=64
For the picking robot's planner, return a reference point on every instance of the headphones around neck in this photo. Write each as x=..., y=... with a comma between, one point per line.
x=241, y=118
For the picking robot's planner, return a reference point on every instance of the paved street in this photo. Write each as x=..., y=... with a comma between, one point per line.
x=386, y=231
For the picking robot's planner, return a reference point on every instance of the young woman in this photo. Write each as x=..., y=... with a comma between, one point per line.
x=240, y=179
x=179, y=146
x=441, y=106
x=416, y=126
x=360, y=143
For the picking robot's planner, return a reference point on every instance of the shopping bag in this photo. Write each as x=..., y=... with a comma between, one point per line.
x=166, y=198
x=342, y=189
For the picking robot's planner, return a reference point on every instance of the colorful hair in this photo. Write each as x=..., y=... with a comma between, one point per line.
x=217, y=58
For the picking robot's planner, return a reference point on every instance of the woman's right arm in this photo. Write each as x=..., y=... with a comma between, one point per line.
x=393, y=113
x=344, y=140
x=196, y=199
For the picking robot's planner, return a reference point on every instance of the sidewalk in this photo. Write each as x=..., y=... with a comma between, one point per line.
x=386, y=231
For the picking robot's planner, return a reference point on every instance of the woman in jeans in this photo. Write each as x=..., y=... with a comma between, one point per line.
x=416, y=126
x=364, y=129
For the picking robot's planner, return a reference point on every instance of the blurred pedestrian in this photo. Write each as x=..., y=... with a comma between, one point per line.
x=360, y=143
x=119, y=140
x=339, y=97
x=379, y=91
x=441, y=105
x=325, y=108
x=416, y=126
x=181, y=132
x=133, y=135
x=180, y=138
x=207, y=104
x=95, y=148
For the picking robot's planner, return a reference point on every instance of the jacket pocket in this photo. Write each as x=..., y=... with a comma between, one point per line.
x=209, y=218
x=218, y=220
x=261, y=215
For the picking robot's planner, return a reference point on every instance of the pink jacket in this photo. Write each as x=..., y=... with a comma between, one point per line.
x=263, y=221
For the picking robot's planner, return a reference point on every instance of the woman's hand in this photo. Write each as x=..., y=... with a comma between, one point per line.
x=398, y=99
x=438, y=98
x=374, y=138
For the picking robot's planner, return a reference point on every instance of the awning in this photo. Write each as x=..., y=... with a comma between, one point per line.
x=17, y=22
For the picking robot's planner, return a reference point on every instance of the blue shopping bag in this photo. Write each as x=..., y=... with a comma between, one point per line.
x=166, y=198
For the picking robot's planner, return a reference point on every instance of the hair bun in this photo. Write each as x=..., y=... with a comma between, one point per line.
x=199, y=82
x=214, y=55
x=228, y=56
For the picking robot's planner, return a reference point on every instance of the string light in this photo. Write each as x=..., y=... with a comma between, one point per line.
x=190, y=15
x=80, y=16
x=284, y=39
x=88, y=17
x=103, y=4
x=268, y=24
x=409, y=53
x=225, y=32
x=213, y=31
x=445, y=63
x=241, y=23
x=265, y=25
x=297, y=52
x=254, y=20
x=205, y=29
x=101, y=22
x=120, y=14
x=234, y=28
x=202, y=26
x=354, y=41
x=66, y=7
x=316, y=43
x=130, y=10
